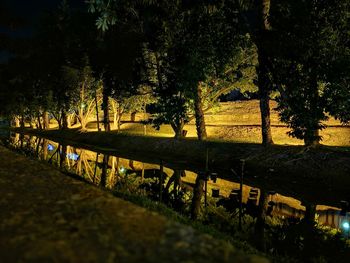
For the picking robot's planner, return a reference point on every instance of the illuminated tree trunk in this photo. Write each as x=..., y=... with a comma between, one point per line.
x=115, y=124
x=16, y=121
x=46, y=121
x=81, y=116
x=197, y=196
x=119, y=118
x=199, y=114
x=133, y=116
x=264, y=83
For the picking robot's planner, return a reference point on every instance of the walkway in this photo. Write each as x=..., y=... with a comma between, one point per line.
x=48, y=217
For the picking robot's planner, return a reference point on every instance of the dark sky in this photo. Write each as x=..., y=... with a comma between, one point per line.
x=27, y=12
x=21, y=16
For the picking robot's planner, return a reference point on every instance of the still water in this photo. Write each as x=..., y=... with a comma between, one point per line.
x=185, y=190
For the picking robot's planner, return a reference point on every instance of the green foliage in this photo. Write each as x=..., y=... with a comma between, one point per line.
x=308, y=49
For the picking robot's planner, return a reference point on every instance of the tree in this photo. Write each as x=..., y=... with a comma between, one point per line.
x=83, y=88
x=183, y=43
x=312, y=45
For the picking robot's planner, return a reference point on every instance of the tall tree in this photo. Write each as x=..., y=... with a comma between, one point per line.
x=264, y=81
x=312, y=43
x=184, y=42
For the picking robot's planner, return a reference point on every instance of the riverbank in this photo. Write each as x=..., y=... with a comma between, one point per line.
x=314, y=176
x=49, y=217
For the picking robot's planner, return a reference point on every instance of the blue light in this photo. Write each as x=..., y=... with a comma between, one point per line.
x=73, y=156
x=346, y=225
x=50, y=147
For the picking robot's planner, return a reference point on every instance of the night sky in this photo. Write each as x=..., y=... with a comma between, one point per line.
x=19, y=17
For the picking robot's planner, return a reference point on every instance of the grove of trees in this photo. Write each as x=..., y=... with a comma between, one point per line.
x=177, y=57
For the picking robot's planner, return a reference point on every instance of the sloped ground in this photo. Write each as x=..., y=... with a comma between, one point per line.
x=48, y=217
x=239, y=121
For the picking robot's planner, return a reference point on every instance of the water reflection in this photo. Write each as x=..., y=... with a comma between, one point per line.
x=183, y=190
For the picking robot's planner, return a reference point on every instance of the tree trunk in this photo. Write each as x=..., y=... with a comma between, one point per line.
x=69, y=120
x=64, y=120
x=312, y=138
x=17, y=122
x=310, y=214
x=119, y=119
x=199, y=114
x=133, y=116
x=97, y=117
x=197, y=196
x=265, y=114
x=39, y=122
x=83, y=123
x=115, y=124
x=264, y=82
x=46, y=120
x=105, y=105
x=22, y=124
x=312, y=134
x=178, y=129
x=30, y=121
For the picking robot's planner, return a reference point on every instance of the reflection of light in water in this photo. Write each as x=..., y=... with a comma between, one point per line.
x=346, y=225
x=50, y=147
x=73, y=156
x=122, y=170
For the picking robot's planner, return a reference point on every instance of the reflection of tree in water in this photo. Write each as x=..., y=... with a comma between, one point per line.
x=175, y=192
x=197, y=195
x=153, y=181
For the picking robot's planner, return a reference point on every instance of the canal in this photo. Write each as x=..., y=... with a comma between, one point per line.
x=221, y=198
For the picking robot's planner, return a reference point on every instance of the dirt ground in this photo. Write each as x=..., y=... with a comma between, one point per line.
x=49, y=217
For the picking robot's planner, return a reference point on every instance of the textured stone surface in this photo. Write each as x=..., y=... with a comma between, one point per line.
x=49, y=217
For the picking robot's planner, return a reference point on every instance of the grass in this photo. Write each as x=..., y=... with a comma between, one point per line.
x=174, y=216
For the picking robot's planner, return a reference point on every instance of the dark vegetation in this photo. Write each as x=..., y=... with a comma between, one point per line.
x=174, y=59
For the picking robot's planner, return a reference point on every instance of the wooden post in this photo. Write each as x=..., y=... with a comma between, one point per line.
x=161, y=181
x=241, y=195
x=93, y=180
x=206, y=177
x=97, y=118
